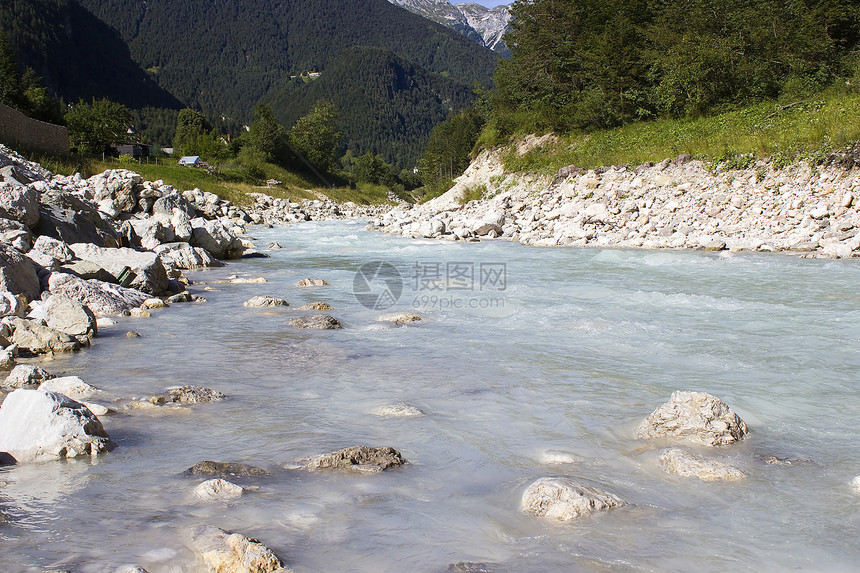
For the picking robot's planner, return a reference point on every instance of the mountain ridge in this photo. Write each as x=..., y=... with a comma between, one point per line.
x=487, y=26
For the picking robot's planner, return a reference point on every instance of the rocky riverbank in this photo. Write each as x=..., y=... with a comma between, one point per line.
x=680, y=204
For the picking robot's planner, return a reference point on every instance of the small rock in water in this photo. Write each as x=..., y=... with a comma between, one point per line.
x=27, y=376
x=225, y=470
x=312, y=283
x=130, y=569
x=556, y=458
x=275, y=246
x=694, y=417
x=855, y=485
x=564, y=499
x=358, y=458
x=317, y=322
x=151, y=303
x=218, y=489
x=685, y=464
x=181, y=297
x=132, y=334
x=399, y=410
x=399, y=319
x=469, y=567
x=265, y=302
x=777, y=461
x=225, y=552
x=194, y=395
x=315, y=306
x=140, y=313
x=242, y=281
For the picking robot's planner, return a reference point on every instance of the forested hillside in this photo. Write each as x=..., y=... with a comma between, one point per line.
x=223, y=57
x=600, y=63
x=76, y=54
x=388, y=106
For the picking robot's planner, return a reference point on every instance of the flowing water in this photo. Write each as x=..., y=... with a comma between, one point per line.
x=527, y=357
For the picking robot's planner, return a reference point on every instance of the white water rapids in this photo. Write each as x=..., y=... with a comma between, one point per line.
x=537, y=356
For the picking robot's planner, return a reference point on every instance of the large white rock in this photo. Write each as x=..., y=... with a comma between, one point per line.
x=54, y=248
x=696, y=418
x=218, y=488
x=19, y=203
x=27, y=376
x=32, y=336
x=36, y=425
x=564, y=499
x=224, y=552
x=69, y=316
x=216, y=238
x=685, y=464
x=100, y=297
x=70, y=386
x=17, y=273
x=151, y=275
x=185, y=257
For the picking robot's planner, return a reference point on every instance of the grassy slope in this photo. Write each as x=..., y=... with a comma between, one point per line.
x=777, y=130
x=293, y=186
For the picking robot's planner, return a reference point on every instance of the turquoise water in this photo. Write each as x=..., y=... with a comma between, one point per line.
x=556, y=353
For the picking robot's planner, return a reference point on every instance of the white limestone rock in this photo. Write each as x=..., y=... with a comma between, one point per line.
x=218, y=489
x=224, y=552
x=564, y=499
x=685, y=464
x=70, y=316
x=694, y=417
x=37, y=426
x=265, y=302
x=71, y=386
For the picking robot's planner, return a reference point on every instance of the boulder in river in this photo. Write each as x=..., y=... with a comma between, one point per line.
x=685, y=464
x=312, y=283
x=320, y=306
x=36, y=425
x=150, y=275
x=265, y=302
x=357, y=458
x=694, y=417
x=102, y=298
x=218, y=489
x=564, y=499
x=224, y=552
x=194, y=395
x=316, y=322
x=225, y=470
x=70, y=386
x=216, y=238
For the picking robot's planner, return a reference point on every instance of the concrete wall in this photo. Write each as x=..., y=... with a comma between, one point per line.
x=24, y=134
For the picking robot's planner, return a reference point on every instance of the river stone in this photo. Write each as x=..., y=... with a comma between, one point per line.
x=185, y=257
x=399, y=319
x=130, y=569
x=694, y=417
x=218, y=489
x=398, y=410
x=8, y=357
x=70, y=316
x=311, y=283
x=316, y=321
x=855, y=484
x=20, y=203
x=265, y=302
x=27, y=376
x=358, y=458
x=315, y=306
x=469, y=567
x=12, y=304
x=68, y=218
x=194, y=395
x=216, y=238
x=225, y=470
x=224, y=552
x=102, y=298
x=38, y=339
x=54, y=248
x=685, y=464
x=17, y=273
x=151, y=277
x=564, y=499
x=37, y=425
x=70, y=386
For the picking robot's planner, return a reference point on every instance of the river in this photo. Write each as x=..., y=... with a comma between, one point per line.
x=526, y=357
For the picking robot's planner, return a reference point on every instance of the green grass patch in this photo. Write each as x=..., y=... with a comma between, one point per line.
x=791, y=130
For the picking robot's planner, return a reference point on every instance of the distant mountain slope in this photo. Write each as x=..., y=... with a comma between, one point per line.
x=483, y=25
x=77, y=55
x=224, y=56
x=491, y=23
x=389, y=105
